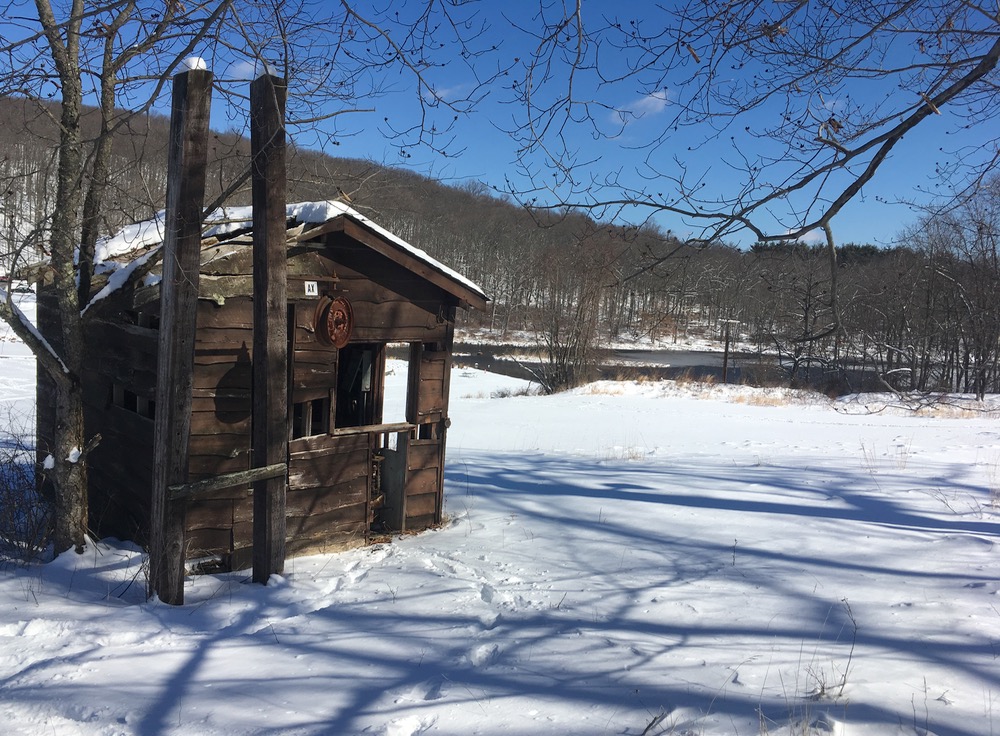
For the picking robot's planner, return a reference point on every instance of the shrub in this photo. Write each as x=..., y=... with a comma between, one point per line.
x=24, y=515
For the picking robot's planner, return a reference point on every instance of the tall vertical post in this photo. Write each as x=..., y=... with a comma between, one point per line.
x=725, y=355
x=725, y=352
x=186, y=165
x=270, y=330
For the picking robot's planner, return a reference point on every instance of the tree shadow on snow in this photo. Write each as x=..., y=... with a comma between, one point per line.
x=630, y=613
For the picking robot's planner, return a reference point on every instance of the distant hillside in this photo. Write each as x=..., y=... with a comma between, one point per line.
x=915, y=317
x=29, y=134
x=468, y=226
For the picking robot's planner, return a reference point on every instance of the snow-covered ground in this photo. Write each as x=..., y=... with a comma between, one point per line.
x=717, y=560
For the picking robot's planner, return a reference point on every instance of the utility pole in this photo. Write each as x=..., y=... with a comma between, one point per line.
x=725, y=353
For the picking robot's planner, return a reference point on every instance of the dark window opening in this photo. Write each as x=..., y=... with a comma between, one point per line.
x=356, y=386
x=133, y=402
x=310, y=417
x=142, y=319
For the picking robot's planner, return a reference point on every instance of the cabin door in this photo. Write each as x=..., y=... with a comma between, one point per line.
x=418, y=504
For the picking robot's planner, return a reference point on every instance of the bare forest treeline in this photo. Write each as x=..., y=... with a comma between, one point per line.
x=921, y=316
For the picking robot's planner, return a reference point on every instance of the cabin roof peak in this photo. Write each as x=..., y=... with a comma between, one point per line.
x=134, y=244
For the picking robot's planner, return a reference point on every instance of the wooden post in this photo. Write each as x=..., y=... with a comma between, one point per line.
x=448, y=348
x=186, y=163
x=725, y=356
x=725, y=351
x=270, y=321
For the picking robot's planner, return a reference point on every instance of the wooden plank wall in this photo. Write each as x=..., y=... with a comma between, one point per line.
x=423, y=483
x=124, y=355
x=328, y=490
x=121, y=355
x=220, y=428
x=390, y=305
x=427, y=405
x=329, y=477
x=313, y=364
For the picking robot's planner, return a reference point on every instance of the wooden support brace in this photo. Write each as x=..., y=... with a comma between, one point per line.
x=183, y=491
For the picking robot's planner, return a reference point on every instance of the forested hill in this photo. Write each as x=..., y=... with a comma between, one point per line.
x=920, y=316
x=493, y=241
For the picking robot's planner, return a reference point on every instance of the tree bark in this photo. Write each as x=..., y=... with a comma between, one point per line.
x=69, y=469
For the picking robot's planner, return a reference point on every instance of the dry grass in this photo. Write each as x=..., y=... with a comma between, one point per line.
x=628, y=454
x=605, y=388
x=635, y=375
x=689, y=377
x=993, y=481
x=761, y=399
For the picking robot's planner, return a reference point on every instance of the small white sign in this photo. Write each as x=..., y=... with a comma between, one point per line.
x=312, y=288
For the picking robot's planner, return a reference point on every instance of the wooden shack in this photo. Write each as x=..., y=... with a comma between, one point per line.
x=353, y=290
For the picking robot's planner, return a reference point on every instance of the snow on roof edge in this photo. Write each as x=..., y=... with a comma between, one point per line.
x=230, y=219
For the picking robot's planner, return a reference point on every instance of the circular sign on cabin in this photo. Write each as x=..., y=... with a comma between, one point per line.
x=334, y=321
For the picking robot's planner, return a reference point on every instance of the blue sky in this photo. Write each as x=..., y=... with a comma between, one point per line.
x=483, y=150
x=486, y=153
x=631, y=112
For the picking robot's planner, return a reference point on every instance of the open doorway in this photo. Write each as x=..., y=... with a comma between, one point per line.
x=397, y=368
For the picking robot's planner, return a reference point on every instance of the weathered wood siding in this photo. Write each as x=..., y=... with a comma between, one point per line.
x=390, y=305
x=427, y=407
x=329, y=487
x=331, y=494
x=329, y=477
x=221, y=522
x=121, y=362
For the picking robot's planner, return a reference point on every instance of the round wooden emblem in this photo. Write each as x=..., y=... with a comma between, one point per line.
x=340, y=322
x=334, y=321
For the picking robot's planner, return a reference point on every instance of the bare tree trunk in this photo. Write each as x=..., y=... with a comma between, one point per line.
x=69, y=469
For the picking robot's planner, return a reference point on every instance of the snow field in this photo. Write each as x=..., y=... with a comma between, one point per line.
x=717, y=560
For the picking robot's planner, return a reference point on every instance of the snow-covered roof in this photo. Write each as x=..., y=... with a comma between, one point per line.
x=113, y=254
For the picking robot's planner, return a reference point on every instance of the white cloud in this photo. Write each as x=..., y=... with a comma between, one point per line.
x=448, y=94
x=242, y=70
x=650, y=105
x=813, y=237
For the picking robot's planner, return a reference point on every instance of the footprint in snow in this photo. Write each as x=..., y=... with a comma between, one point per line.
x=432, y=689
x=484, y=655
x=356, y=577
x=378, y=554
x=332, y=586
x=442, y=567
x=409, y=726
x=487, y=592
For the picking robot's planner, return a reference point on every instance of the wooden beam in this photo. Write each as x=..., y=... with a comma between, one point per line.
x=448, y=349
x=186, y=165
x=270, y=320
x=373, y=429
x=227, y=480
